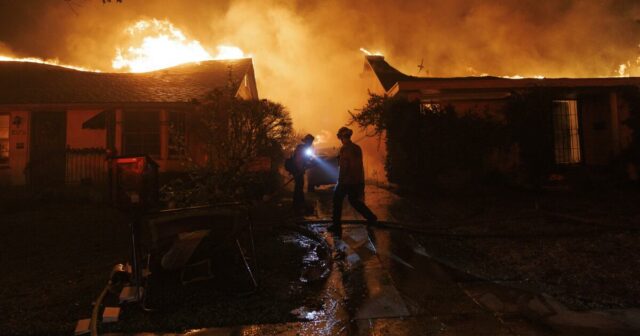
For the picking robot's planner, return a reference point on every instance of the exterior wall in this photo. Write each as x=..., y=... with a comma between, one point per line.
x=118, y=131
x=626, y=132
x=248, y=88
x=77, y=137
x=86, y=150
x=494, y=108
x=596, y=129
x=244, y=91
x=602, y=129
x=602, y=109
x=164, y=161
x=374, y=152
x=370, y=81
x=14, y=174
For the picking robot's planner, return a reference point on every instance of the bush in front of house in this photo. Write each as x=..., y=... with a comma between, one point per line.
x=431, y=146
x=239, y=147
x=631, y=155
x=530, y=126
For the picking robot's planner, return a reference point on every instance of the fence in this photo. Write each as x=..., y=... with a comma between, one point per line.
x=86, y=166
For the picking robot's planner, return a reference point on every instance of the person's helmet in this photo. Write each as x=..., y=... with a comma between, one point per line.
x=345, y=131
x=308, y=139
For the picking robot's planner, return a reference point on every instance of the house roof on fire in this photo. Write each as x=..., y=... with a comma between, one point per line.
x=394, y=81
x=33, y=83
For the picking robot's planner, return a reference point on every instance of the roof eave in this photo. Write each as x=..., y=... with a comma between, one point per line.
x=94, y=106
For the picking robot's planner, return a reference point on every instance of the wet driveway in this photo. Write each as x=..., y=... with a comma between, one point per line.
x=388, y=285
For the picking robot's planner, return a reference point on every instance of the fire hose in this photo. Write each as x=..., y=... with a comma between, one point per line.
x=390, y=225
x=96, y=308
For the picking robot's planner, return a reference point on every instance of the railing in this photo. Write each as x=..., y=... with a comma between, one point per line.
x=86, y=166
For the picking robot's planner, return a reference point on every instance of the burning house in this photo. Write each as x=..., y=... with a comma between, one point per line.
x=587, y=123
x=57, y=124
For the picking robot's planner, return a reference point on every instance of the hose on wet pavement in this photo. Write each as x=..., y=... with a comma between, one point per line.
x=96, y=307
x=413, y=229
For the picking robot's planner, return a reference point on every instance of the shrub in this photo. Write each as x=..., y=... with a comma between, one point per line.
x=229, y=135
x=430, y=146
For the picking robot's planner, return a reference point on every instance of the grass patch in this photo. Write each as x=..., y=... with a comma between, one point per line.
x=56, y=257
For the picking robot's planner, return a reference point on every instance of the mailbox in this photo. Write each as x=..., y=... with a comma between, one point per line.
x=134, y=182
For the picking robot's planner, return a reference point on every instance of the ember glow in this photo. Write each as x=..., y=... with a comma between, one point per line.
x=368, y=53
x=229, y=52
x=4, y=58
x=161, y=45
x=523, y=77
x=306, y=49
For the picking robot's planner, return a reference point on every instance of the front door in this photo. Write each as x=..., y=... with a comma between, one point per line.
x=48, y=141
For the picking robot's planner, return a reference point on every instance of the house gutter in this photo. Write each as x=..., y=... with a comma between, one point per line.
x=95, y=106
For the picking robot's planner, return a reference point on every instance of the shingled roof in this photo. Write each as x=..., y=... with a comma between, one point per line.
x=393, y=80
x=386, y=74
x=33, y=83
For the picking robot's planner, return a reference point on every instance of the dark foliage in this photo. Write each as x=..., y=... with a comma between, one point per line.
x=430, y=146
x=530, y=126
x=233, y=134
x=632, y=153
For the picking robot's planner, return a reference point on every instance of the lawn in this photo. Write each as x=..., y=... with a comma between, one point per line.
x=57, y=249
x=56, y=252
x=579, y=246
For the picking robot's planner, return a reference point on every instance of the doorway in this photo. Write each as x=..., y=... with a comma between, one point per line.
x=47, y=164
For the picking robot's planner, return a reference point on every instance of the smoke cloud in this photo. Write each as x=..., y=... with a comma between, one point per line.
x=306, y=53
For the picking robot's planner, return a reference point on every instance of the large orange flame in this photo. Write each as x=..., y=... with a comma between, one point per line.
x=162, y=45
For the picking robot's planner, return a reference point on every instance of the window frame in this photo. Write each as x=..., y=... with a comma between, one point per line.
x=8, y=141
x=567, y=133
x=141, y=132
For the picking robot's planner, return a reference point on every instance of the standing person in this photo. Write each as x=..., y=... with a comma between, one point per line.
x=350, y=182
x=301, y=159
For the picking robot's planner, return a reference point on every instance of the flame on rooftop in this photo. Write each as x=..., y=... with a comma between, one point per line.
x=369, y=53
x=4, y=58
x=158, y=44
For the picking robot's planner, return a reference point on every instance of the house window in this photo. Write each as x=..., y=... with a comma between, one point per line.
x=141, y=132
x=177, y=140
x=429, y=107
x=4, y=139
x=566, y=132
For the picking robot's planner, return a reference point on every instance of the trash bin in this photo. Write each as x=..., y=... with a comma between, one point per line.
x=134, y=182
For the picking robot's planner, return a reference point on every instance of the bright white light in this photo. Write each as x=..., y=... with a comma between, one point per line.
x=226, y=52
x=369, y=53
x=309, y=152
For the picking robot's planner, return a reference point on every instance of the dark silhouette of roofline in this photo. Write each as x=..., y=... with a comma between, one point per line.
x=393, y=81
x=34, y=83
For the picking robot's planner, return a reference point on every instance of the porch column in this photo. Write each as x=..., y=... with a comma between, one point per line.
x=19, y=143
x=118, y=131
x=615, y=123
x=164, y=135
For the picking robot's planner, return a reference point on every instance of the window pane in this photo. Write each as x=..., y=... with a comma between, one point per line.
x=566, y=132
x=4, y=126
x=4, y=138
x=141, y=132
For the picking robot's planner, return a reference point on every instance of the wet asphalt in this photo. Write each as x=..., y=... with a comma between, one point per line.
x=387, y=284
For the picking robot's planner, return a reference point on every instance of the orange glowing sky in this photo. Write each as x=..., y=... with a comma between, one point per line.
x=307, y=53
